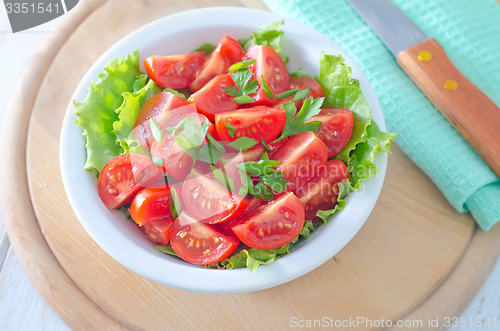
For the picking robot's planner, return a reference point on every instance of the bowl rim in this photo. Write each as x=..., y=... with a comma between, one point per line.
x=181, y=274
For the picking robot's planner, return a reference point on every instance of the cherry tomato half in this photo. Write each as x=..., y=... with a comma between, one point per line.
x=174, y=71
x=270, y=65
x=158, y=231
x=271, y=225
x=336, y=129
x=123, y=176
x=226, y=52
x=322, y=192
x=200, y=243
x=301, y=157
x=256, y=123
x=150, y=204
x=213, y=99
x=208, y=201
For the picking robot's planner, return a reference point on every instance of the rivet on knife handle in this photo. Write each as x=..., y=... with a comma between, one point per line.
x=469, y=110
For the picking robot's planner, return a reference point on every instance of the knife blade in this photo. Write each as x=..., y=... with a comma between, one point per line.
x=469, y=110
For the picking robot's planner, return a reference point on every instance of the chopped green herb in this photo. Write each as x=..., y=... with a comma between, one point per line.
x=297, y=124
x=223, y=178
x=157, y=160
x=243, y=143
x=240, y=65
x=286, y=94
x=266, y=146
x=243, y=99
x=230, y=129
x=175, y=203
x=266, y=88
x=156, y=131
x=302, y=94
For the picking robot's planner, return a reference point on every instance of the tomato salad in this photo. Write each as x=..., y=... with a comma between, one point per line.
x=223, y=151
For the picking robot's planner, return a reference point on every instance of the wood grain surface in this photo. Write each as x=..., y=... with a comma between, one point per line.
x=410, y=259
x=475, y=116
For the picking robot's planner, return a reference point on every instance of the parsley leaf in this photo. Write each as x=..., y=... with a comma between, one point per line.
x=302, y=94
x=230, y=129
x=298, y=124
x=189, y=136
x=246, y=86
x=243, y=143
x=270, y=179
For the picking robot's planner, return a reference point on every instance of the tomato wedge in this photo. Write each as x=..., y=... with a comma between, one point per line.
x=301, y=157
x=123, y=176
x=163, y=118
x=174, y=71
x=150, y=204
x=256, y=123
x=213, y=99
x=271, y=225
x=226, y=52
x=336, y=129
x=270, y=65
x=208, y=201
x=158, y=231
x=322, y=192
x=200, y=243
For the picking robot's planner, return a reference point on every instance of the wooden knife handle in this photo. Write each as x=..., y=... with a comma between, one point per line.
x=468, y=109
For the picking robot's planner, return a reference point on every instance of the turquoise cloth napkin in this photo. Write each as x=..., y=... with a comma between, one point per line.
x=469, y=31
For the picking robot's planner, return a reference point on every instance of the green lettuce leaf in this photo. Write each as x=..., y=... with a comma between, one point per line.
x=341, y=90
x=129, y=110
x=96, y=113
x=269, y=35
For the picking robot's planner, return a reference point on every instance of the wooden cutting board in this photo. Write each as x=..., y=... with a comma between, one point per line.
x=415, y=258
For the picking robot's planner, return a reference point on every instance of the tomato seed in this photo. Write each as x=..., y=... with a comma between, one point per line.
x=206, y=252
x=288, y=226
x=261, y=233
x=216, y=240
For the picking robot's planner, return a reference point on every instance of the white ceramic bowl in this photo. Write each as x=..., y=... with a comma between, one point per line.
x=123, y=241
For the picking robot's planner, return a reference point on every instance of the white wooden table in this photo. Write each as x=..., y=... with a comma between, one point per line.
x=22, y=308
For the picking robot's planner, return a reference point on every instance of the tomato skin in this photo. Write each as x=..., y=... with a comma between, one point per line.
x=200, y=243
x=256, y=123
x=270, y=65
x=336, y=129
x=212, y=98
x=174, y=71
x=164, y=118
x=123, y=176
x=271, y=225
x=208, y=201
x=150, y=204
x=322, y=192
x=158, y=231
x=227, y=52
x=301, y=158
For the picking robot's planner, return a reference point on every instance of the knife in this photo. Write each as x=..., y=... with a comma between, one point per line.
x=469, y=110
